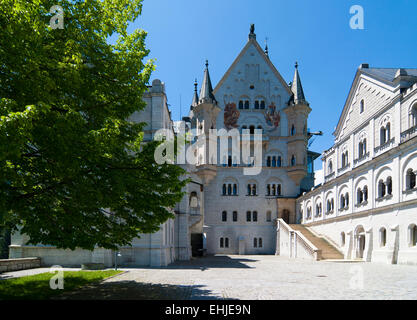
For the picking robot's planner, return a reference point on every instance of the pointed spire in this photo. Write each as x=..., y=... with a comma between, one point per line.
x=206, y=91
x=297, y=88
x=195, y=96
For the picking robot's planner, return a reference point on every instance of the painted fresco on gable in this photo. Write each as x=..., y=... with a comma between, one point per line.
x=272, y=116
x=231, y=116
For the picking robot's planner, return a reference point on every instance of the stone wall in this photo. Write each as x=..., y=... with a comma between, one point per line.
x=7, y=265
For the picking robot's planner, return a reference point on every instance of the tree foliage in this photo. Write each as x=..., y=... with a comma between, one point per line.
x=73, y=170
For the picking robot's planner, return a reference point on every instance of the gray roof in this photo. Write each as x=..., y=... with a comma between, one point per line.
x=206, y=91
x=297, y=88
x=387, y=74
x=195, y=96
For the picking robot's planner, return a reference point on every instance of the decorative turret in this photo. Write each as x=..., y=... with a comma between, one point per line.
x=203, y=118
x=297, y=113
x=297, y=89
x=206, y=91
x=195, y=97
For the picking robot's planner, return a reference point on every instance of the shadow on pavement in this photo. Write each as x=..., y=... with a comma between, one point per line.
x=133, y=290
x=208, y=262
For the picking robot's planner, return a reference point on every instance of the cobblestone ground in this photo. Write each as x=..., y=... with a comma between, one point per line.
x=258, y=277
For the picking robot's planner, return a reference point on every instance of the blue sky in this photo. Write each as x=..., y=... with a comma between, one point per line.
x=182, y=34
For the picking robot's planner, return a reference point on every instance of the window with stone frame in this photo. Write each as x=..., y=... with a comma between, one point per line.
x=410, y=179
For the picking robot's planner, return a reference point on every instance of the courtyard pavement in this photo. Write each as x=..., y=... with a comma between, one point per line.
x=258, y=277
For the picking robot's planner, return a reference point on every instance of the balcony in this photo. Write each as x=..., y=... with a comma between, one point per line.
x=385, y=146
x=329, y=176
x=408, y=134
x=361, y=158
x=343, y=169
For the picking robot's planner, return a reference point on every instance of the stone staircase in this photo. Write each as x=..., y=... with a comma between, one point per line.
x=328, y=251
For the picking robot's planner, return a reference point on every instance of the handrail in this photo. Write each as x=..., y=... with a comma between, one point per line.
x=306, y=243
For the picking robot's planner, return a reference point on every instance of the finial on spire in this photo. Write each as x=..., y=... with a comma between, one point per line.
x=252, y=34
x=296, y=65
x=266, y=46
x=207, y=64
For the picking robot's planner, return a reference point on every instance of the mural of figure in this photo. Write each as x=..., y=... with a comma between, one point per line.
x=272, y=116
x=231, y=116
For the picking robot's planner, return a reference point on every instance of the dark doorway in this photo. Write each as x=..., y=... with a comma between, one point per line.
x=286, y=216
x=197, y=244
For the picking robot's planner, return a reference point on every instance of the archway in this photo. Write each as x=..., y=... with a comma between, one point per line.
x=359, y=242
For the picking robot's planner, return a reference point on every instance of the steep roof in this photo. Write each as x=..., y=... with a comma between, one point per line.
x=206, y=91
x=297, y=88
x=385, y=75
x=252, y=41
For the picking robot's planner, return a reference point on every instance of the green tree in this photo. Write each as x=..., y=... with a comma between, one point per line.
x=73, y=170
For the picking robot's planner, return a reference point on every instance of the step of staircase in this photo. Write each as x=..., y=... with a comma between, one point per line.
x=328, y=251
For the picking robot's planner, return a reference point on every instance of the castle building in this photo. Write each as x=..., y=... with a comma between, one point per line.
x=254, y=195
x=367, y=205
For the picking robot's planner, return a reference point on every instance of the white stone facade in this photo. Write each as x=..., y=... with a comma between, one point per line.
x=369, y=200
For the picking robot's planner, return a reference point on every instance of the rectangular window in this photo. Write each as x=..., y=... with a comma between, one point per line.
x=260, y=242
x=234, y=216
x=248, y=216
x=226, y=242
x=268, y=216
x=224, y=216
x=221, y=243
x=255, y=216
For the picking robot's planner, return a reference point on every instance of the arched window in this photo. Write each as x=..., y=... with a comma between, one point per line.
x=268, y=161
x=381, y=189
x=389, y=185
x=247, y=104
x=240, y=104
x=292, y=130
x=252, y=129
x=224, y=216
x=221, y=242
x=226, y=242
x=413, y=116
x=274, y=161
x=260, y=242
x=293, y=160
x=385, y=133
x=229, y=189
x=411, y=179
x=235, y=189
x=248, y=216
x=330, y=167
x=362, y=148
x=279, y=161
x=255, y=216
x=347, y=200
x=263, y=104
x=249, y=189
x=342, y=201
x=362, y=106
x=268, y=190
x=278, y=190
x=382, y=237
x=193, y=200
x=365, y=193
x=234, y=216
x=255, y=242
x=224, y=189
